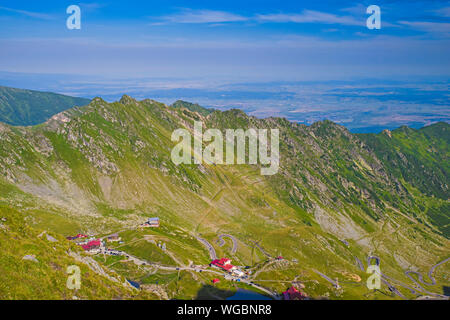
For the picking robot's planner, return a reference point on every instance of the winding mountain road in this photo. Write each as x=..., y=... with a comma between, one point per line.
x=385, y=278
x=211, y=250
x=249, y=282
x=408, y=274
x=422, y=281
x=370, y=258
x=335, y=284
x=222, y=242
x=360, y=264
x=430, y=273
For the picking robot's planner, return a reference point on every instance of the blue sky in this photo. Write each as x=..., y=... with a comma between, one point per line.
x=238, y=40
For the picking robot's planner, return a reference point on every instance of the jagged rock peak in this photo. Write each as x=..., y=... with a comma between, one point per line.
x=126, y=99
x=388, y=133
x=98, y=99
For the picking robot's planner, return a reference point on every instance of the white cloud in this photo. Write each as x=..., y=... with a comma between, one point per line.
x=431, y=27
x=93, y=6
x=203, y=16
x=310, y=16
x=356, y=10
x=213, y=16
x=37, y=15
x=444, y=12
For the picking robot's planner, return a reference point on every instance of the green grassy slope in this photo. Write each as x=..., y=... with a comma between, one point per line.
x=27, y=107
x=420, y=158
x=106, y=167
x=45, y=278
x=194, y=107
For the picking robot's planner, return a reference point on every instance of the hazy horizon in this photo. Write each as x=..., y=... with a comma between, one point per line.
x=362, y=105
x=302, y=60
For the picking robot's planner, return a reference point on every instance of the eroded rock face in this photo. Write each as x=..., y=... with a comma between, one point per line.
x=388, y=133
x=94, y=266
x=111, y=162
x=42, y=145
x=127, y=100
x=337, y=224
x=156, y=289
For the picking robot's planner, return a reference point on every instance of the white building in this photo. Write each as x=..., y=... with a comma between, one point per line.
x=237, y=272
x=153, y=222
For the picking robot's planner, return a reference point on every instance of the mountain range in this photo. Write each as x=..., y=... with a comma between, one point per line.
x=339, y=201
x=21, y=107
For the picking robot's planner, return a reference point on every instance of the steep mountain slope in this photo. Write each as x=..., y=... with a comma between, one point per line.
x=27, y=107
x=34, y=263
x=106, y=167
x=421, y=159
x=194, y=107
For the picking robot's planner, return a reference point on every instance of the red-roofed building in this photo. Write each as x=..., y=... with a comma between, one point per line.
x=293, y=294
x=223, y=263
x=94, y=244
x=78, y=236
x=215, y=280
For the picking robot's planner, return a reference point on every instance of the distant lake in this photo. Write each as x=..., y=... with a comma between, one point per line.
x=134, y=284
x=242, y=294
